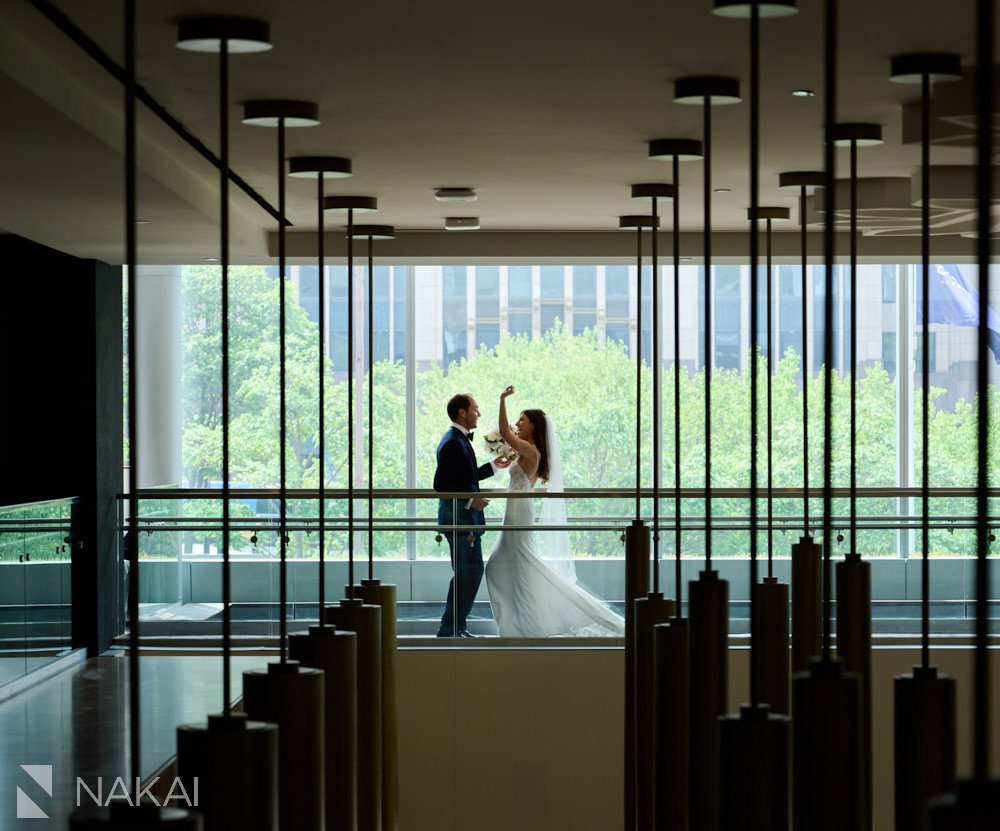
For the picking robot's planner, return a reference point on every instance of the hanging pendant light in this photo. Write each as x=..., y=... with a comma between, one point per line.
x=287, y=693
x=807, y=591
x=353, y=614
x=231, y=756
x=708, y=603
x=128, y=814
x=670, y=640
x=773, y=673
x=753, y=746
x=924, y=701
x=325, y=647
x=636, y=538
x=975, y=804
x=826, y=700
x=652, y=609
x=854, y=579
x=373, y=591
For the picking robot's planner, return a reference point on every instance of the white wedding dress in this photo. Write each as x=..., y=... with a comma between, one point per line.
x=533, y=597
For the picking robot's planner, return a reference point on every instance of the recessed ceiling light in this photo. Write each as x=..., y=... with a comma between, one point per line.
x=723, y=190
x=142, y=222
x=456, y=195
x=211, y=259
x=461, y=223
x=685, y=259
x=803, y=93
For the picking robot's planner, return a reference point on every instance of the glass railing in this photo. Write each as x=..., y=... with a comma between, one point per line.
x=35, y=586
x=180, y=549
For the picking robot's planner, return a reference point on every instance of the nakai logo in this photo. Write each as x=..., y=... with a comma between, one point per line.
x=176, y=795
x=26, y=806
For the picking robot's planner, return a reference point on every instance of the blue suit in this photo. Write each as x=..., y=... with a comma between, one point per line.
x=458, y=472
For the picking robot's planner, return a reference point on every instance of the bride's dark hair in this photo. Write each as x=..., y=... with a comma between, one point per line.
x=540, y=433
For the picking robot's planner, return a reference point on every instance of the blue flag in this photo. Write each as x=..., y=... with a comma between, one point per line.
x=955, y=302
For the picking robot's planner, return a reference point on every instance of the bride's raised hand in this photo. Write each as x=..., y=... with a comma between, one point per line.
x=507, y=392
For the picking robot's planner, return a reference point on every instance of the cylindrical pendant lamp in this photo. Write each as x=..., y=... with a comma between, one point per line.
x=807, y=570
x=286, y=693
x=637, y=540
x=352, y=615
x=231, y=756
x=826, y=742
x=975, y=804
x=709, y=595
x=924, y=701
x=854, y=620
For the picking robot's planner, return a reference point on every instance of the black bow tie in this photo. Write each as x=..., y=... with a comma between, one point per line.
x=470, y=436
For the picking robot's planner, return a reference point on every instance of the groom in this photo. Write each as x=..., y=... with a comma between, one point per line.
x=457, y=472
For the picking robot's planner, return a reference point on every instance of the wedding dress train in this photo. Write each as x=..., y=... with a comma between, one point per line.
x=529, y=595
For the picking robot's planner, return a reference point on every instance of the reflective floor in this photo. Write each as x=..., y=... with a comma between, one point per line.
x=78, y=723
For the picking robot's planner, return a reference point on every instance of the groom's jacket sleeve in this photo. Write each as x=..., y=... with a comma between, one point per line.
x=485, y=471
x=451, y=460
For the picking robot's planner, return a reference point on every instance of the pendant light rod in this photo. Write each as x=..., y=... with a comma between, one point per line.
x=224, y=35
x=371, y=401
x=770, y=399
x=830, y=172
x=654, y=192
x=675, y=233
x=707, y=243
x=925, y=69
x=321, y=389
x=350, y=205
x=283, y=403
x=321, y=168
x=804, y=244
x=227, y=613
x=677, y=150
x=350, y=403
x=638, y=375
x=135, y=713
x=281, y=114
x=656, y=398
x=754, y=345
x=984, y=150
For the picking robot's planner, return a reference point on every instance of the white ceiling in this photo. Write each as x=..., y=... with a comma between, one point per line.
x=544, y=106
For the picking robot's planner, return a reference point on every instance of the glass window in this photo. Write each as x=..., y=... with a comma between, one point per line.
x=399, y=313
x=488, y=291
x=585, y=286
x=727, y=316
x=519, y=286
x=889, y=283
x=550, y=313
x=616, y=291
x=931, y=350
x=454, y=312
x=889, y=352
x=583, y=321
x=553, y=286
x=519, y=323
x=309, y=290
x=789, y=282
x=618, y=332
x=487, y=334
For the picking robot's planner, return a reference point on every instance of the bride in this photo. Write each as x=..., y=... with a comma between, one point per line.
x=531, y=578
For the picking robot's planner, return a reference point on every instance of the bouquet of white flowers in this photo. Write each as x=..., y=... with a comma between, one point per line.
x=497, y=446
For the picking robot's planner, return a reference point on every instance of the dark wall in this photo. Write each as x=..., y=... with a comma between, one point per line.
x=61, y=411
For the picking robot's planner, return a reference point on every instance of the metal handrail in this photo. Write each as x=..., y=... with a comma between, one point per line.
x=570, y=493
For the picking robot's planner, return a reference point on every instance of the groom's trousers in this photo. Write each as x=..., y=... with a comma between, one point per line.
x=467, y=562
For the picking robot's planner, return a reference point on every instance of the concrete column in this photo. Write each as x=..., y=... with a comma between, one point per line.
x=158, y=365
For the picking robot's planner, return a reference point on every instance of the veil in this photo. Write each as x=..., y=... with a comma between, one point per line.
x=553, y=546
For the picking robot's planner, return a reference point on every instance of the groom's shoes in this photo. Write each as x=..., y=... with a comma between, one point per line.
x=465, y=633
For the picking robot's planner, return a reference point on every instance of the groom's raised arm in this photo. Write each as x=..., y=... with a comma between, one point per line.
x=487, y=470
